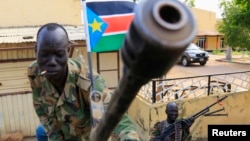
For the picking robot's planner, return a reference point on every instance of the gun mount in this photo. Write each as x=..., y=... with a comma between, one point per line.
x=160, y=32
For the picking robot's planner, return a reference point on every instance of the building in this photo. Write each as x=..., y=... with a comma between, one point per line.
x=207, y=37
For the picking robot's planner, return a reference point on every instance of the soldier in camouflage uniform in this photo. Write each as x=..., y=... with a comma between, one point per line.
x=61, y=88
x=172, y=114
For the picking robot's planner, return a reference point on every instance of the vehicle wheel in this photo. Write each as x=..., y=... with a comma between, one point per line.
x=184, y=61
x=203, y=63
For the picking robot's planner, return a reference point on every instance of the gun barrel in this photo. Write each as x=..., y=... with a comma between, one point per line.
x=160, y=32
x=216, y=111
x=205, y=110
x=200, y=113
x=216, y=115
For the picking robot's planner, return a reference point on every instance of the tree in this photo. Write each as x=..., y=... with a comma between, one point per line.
x=190, y=3
x=235, y=23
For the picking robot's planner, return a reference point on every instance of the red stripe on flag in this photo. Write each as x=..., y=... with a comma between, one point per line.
x=118, y=23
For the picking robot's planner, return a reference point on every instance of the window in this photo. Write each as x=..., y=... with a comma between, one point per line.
x=201, y=42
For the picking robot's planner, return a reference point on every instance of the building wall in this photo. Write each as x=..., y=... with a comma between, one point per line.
x=13, y=77
x=16, y=110
x=206, y=20
x=207, y=27
x=18, y=114
x=38, y=12
x=105, y=63
x=236, y=106
x=213, y=42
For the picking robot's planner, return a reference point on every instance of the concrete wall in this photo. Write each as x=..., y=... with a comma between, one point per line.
x=38, y=12
x=236, y=106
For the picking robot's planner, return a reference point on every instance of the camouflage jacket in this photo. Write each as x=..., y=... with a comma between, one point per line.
x=159, y=127
x=67, y=117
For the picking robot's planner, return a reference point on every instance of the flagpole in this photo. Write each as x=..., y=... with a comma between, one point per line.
x=95, y=106
x=87, y=43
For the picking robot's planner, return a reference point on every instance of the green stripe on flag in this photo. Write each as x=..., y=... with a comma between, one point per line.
x=109, y=43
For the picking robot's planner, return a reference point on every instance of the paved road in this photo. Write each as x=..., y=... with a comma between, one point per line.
x=213, y=66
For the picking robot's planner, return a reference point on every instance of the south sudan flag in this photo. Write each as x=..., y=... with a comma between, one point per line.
x=108, y=22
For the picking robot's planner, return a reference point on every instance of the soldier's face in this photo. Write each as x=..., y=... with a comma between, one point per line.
x=172, y=112
x=52, y=53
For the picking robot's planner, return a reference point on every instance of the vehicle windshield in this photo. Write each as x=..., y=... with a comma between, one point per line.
x=193, y=47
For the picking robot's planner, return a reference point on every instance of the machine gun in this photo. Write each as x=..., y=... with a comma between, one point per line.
x=171, y=128
x=159, y=33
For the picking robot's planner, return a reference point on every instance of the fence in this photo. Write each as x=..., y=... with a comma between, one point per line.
x=161, y=90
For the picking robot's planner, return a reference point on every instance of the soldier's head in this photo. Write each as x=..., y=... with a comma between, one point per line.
x=171, y=111
x=52, y=50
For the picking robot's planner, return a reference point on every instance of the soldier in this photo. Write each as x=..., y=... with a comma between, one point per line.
x=172, y=114
x=61, y=87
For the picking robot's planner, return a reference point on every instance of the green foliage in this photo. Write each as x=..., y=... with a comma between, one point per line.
x=216, y=52
x=223, y=52
x=190, y=3
x=235, y=24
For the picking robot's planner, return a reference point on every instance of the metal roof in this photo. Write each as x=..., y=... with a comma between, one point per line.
x=28, y=34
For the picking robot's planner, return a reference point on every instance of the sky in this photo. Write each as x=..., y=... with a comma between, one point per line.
x=210, y=5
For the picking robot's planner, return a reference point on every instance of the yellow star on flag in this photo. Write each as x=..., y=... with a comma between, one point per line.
x=96, y=26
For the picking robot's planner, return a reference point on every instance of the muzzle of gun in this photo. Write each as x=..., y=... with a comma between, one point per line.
x=158, y=35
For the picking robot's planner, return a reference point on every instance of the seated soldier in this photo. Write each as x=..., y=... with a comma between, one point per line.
x=182, y=132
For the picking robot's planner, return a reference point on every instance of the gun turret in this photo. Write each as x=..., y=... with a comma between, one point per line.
x=160, y=32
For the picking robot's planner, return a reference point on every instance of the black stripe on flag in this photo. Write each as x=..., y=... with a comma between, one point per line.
x=111, y=7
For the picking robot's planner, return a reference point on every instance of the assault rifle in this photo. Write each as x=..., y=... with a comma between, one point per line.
x=171, y=128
